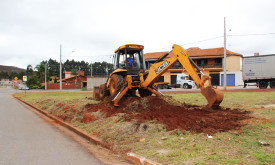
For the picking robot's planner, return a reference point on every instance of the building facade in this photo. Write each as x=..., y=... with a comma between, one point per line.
x=210, y=61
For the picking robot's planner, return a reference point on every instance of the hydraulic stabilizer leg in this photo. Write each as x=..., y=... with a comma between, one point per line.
x=120, y=94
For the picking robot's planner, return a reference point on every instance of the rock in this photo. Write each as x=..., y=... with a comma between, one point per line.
x=263, y=143
x=163, y=138
x=209, y=136
x=142, y=140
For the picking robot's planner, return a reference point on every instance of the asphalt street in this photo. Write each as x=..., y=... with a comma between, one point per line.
x=25, y=138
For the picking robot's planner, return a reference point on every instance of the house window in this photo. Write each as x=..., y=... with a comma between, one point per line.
x=202, y=62
x=177, y=64
x=218, y=61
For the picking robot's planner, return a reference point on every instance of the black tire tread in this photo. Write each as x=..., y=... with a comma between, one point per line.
x=118, y=79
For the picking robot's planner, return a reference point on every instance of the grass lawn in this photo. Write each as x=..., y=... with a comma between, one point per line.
x=176, y=147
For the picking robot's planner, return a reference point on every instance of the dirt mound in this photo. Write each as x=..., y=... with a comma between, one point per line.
x=174, y=116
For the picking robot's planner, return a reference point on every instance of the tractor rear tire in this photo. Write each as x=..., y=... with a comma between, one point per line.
x=103, y=91
x=144, y=92
x=116, y=84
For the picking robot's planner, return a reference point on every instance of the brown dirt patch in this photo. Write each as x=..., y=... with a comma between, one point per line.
x=183, y=117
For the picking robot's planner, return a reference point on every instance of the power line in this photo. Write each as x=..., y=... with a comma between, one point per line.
x=91, y=56
x=190, y=43
x=244, y=35
x=202, y=40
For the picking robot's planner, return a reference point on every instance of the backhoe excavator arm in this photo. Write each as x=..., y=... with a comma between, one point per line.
x=213, y=96
x=159, y=68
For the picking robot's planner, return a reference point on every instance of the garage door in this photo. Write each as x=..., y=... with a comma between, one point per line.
x=215, y=79
x=230, y=80
x=173, y=79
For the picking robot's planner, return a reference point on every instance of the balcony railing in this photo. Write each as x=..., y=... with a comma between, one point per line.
x=218, y=65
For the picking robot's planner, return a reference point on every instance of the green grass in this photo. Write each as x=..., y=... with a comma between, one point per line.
x=232, y=99
x=176, y=147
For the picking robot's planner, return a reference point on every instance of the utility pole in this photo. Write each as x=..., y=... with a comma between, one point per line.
x=91, y=69
x=60, y=72
x=224, y=58
x=46, y=75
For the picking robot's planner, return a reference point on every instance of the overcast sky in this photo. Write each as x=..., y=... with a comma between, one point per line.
x=90, y=30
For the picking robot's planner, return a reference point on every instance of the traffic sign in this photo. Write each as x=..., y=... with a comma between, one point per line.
x=24, y=78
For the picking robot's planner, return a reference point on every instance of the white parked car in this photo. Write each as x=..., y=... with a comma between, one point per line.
x=23, y=87
x=184, y=82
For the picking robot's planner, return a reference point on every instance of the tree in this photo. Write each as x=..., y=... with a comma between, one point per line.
x=33, y=81
x=80, y=66
x=102, y=68
x=74, y=71
x=13, y=74
x=4, y=75
x=41, y=72
x=29, y=70
x=53, y=67
x=21, y=74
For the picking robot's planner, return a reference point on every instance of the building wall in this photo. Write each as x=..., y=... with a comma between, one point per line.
x=95, y=81
x=238, y=78
x=233, y=63
x=167, y=75
x=6, y=83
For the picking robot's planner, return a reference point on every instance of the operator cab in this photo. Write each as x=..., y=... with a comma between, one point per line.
x=131, y=58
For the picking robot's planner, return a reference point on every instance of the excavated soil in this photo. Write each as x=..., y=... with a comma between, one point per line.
x=173, y=115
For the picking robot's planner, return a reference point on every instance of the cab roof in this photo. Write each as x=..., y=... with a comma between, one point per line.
x=130, y=46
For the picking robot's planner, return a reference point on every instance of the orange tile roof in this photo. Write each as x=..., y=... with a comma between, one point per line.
x=193, y=52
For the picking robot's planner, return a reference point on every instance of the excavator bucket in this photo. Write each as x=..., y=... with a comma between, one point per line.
x=213, y=96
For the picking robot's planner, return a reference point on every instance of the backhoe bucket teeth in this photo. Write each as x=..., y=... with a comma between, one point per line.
x=213, y=96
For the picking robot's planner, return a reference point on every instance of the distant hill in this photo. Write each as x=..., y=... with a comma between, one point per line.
x=10, y=68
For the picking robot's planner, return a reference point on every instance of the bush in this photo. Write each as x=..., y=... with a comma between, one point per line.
x=34, y=87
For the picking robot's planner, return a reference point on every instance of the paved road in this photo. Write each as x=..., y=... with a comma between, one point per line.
x=25, y=138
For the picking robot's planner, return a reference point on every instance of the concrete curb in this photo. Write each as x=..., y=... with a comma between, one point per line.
x=131, y=157
x=139, y=160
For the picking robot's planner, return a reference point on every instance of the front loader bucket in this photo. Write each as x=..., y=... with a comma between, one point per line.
x=213, y=96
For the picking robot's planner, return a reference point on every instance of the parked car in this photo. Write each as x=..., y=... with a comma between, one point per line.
x=184, y=82
x=23, y=87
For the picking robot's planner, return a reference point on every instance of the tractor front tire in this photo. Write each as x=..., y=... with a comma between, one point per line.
x=144, y=92
x=103, y=91
x=116, y=84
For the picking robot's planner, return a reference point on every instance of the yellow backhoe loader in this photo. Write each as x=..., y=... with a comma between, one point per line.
x=130, y=74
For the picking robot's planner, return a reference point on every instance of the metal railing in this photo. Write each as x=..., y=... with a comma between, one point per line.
x=217, y=65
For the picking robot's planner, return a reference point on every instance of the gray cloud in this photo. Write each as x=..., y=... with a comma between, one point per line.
x=32, y=30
